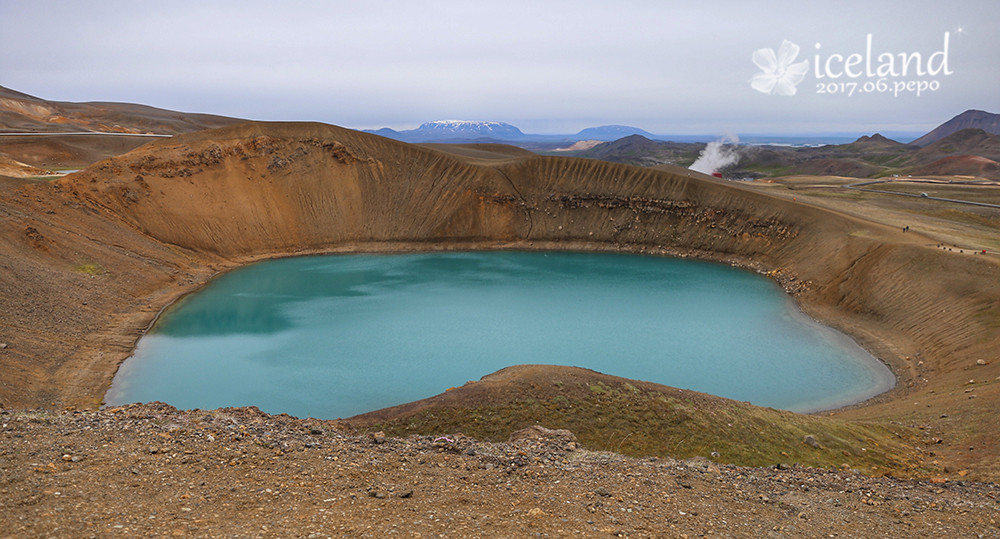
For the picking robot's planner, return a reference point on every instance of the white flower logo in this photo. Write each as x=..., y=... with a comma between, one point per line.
x=780, y=75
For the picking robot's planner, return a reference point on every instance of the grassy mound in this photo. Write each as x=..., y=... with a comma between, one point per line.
x=644, y=419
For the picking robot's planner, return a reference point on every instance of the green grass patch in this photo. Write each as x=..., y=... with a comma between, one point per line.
x=879, y=160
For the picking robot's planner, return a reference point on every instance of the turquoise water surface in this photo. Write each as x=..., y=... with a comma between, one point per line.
x=333, y=336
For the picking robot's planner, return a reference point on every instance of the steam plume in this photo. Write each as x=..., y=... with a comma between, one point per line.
x=717, y=154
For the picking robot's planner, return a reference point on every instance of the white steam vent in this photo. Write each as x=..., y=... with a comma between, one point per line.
x=717, y=154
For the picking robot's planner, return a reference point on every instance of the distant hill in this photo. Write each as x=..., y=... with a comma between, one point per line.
x=875, y=142
x=961, y=165
x=385, y=132
x=609, y=133
x=639, y=150
x=970, y=119
x=22, y=112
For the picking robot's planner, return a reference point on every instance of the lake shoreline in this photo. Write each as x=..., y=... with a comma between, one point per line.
x=267, y=315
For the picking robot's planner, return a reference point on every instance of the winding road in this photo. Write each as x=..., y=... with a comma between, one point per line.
x=924, y=196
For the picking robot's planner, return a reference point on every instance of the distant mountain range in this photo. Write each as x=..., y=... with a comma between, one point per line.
x=470, y=131
x=967, y=145
x=968, y=152
x=481, y=131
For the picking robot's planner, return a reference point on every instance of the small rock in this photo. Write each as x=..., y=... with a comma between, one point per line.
x=701, y=464
x=536, y=512
x=980, y=362
x=376, y=494
x=315, y=431
x=782, y=466
x=3, y=346
x=378, y=437
x=406, y=494
x=810, y=440
x=603, y=492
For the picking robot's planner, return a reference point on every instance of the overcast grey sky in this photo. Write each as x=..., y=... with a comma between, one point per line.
x=669, y=67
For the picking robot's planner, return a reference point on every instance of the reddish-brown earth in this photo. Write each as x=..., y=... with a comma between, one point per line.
x=961, y=165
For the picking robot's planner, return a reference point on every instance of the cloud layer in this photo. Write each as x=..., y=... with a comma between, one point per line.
x=547, y=67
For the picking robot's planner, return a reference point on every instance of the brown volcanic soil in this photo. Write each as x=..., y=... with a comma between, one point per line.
x=89, y=260
x=66, y=151
x=149, y=470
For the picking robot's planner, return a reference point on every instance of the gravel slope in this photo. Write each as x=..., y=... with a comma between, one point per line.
x=154, y=471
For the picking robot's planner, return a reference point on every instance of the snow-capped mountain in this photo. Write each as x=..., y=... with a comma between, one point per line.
x=465, y=128
x=455, y=130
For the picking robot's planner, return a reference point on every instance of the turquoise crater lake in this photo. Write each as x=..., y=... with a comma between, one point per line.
x=334, y=336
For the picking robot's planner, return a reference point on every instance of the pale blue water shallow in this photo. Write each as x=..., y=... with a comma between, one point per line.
x=333, y=336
